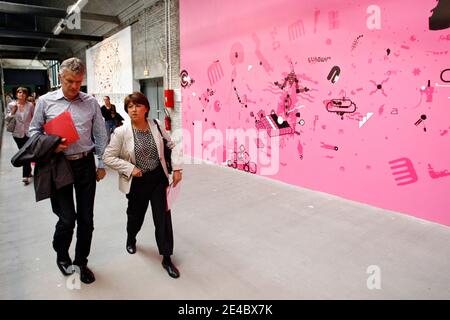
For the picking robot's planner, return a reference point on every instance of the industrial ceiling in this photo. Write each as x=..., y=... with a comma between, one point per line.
x=29, y=29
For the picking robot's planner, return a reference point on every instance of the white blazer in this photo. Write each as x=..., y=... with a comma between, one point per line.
x=119, y=154
x=23, y=120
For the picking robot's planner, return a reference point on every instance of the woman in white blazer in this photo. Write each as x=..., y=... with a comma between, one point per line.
x=136, y=151
x=22, y=111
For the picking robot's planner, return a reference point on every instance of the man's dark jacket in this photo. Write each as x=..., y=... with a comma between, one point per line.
x=52, y=170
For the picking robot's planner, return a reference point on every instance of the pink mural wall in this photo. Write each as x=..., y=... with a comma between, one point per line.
x=355, y=94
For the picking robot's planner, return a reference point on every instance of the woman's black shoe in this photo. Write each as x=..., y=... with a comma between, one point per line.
x=131, y=248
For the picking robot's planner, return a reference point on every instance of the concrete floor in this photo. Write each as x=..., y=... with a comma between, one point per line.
x=237, y=236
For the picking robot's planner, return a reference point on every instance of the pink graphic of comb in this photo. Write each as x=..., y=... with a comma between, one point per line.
x=403, y=171
x=215, y=72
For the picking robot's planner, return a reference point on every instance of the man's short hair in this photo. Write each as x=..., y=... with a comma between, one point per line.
x=74, y=65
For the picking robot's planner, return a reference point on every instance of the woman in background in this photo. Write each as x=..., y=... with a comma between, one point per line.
x=136, y=151
x=112, y=118
x=32, y=100
x=22, y=111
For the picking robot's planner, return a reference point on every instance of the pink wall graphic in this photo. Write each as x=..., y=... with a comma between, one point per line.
x=356, y=95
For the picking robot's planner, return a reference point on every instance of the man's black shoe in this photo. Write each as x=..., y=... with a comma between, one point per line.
x=131, y=248
x=86, y=275
x=65, y=267
x=171, y=269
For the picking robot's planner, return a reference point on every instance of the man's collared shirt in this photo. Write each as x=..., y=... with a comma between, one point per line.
x=86, y=116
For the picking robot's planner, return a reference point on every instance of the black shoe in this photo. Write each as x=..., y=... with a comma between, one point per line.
x=131, y=248
x=171, y=269
x=65, y=266
x=86, y=275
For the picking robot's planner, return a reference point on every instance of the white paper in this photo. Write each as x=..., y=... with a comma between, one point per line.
x=172, y=194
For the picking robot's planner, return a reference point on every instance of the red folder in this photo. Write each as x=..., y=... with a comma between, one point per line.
x=63, y=126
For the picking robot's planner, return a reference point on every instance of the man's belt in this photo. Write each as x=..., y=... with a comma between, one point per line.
x=78, y=156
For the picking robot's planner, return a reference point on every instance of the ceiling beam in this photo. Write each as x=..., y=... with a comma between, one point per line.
x=19, y=8
x=5, y=47
x=99, y=17
x=31, y=55
x=22, y=42
x=10, y=33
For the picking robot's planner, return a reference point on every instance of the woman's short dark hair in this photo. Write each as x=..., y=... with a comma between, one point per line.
x=22, y=89
x=137, y=98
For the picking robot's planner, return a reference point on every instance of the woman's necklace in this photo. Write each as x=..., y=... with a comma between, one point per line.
x=141, y=128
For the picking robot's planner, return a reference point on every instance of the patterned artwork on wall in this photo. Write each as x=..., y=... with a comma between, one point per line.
x=353, y=97
x=109, y=65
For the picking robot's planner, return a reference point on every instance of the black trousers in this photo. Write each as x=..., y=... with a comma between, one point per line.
x=84, y=174
x=151, y=187
x=26, y=169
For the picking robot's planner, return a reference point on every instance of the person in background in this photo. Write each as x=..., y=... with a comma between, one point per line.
x=8, y=98
x=90, y=125
x=118, y=118
x=112, y=118
x=136, y=151
x=22, y=111
x=32, y=100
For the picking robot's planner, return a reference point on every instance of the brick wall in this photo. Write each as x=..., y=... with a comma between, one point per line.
x=148, y=36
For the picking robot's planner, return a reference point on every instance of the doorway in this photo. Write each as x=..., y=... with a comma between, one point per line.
x=154, y=91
